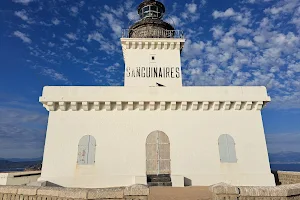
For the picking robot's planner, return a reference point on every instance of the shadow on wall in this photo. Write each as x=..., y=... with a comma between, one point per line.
x=275, y=173
x=187, y=182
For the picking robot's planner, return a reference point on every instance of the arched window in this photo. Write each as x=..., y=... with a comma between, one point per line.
x=86, y=150
x=227, y=149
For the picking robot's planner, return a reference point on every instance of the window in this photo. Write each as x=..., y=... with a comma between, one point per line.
x=153, y=8
x=145, y=9
x=152, y=58
x=86, y=150
x=151, y=11
x=227, y=149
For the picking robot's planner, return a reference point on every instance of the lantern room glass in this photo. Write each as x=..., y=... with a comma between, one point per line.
x=151, y=11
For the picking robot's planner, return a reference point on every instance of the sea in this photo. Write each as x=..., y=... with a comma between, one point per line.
x=12, y=170
x=286, y=167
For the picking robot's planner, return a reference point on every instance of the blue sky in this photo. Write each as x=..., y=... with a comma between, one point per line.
x=74, y=42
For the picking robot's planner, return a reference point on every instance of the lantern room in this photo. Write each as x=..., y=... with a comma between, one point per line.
x=151, y=9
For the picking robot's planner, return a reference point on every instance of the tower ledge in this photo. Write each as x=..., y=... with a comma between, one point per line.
x=153, y=43
x=154, y=98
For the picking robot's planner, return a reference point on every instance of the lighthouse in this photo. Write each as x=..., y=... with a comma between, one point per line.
x=153, y=130
x=151, y=49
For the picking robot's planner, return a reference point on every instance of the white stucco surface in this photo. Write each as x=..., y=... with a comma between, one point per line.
x=138, y=53
x=121, y=118
x=121, y=134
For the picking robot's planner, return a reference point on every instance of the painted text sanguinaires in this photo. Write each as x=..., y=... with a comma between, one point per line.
x=153, y=72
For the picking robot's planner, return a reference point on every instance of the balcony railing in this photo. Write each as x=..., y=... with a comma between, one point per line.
x=152, y=33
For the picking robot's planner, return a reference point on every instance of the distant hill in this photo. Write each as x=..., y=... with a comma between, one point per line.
x=22, y=159
x=285, y=158
x=7, y=165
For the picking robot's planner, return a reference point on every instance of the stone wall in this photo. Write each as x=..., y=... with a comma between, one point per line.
x=284, y=178
x=224, y=191
x=135, y=192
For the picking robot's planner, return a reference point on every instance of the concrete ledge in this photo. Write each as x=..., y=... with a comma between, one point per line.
x=256, y=191
x=223, y=188
x=48, y=191
x=137, y=190
x=25, y=190
x=79, y=193
x=9, y=189
x=284, y=178
x=134, y=192
x=109, y=193
x=42, y=184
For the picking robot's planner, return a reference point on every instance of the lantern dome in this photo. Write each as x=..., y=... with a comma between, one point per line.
x=151, y=24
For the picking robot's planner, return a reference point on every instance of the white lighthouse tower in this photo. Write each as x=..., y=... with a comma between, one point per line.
x=153, y=130
x=151, y=49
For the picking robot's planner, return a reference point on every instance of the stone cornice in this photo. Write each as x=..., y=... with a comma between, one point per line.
x=154, y=106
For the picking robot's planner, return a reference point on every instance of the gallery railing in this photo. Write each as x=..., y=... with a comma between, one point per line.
x=152, y=33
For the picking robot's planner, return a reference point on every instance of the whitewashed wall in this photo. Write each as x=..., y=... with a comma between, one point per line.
x=121, y=138
x=137, y=53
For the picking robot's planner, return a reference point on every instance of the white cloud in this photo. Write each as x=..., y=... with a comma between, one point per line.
x=72, y=36
x=133, y=16
x=50, y=44
x=24, y=2
x=82, y=49
x=114, y=23
x=228, y=13
x=22, y=36
x=192, y=7
x=24, y=16
x=203, y=2
x=260, y=39
x=74, y=10
x=112, y=68
x=55, y=75
x=245, y=43
x=55, y=21
x=175, y=21
x=294, y=67
x=217, y=32
x=260, y=50
x=95, y=36
x=285, y=6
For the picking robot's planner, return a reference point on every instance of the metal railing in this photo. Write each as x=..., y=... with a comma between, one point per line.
x=152, y=33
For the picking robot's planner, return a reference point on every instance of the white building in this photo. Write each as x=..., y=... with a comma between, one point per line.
x=19, y=178
x=148, y=134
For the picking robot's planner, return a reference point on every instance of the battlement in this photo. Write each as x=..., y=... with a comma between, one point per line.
x=55, y=193
x=224, y=191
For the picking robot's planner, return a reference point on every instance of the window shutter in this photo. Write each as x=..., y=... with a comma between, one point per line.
x=227, y=149
x=86, y=150
x=231, y=150
x=223, y=148
x=92, y=150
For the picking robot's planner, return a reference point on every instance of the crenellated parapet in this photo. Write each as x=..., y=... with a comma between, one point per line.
x=160, y=44
x=153, y=106
x=154, y=99
x=61, y=193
